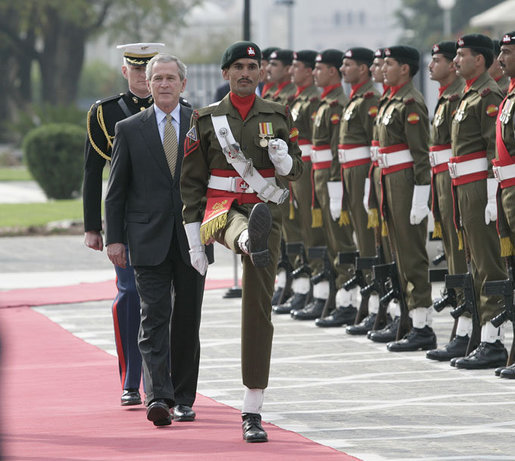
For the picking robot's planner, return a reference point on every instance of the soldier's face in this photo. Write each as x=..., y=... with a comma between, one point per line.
x=166, y=85
x=300, y=73
x=440, y=67
x=277, y=71
x=322, y=74
x=466, y=63
x=243, y=76
x=376, y=70
x=507, y=60
x=136, y=79
x=392, y=72
x=350, y=71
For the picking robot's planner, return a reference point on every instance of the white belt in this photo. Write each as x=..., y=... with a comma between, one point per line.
x=306, y=150
x=468, y=167
x=374, y=153
x=438, y=157
x=324, y=155
x=394, y=158
x=233, y=184
x=502, y=173
x=351, y=155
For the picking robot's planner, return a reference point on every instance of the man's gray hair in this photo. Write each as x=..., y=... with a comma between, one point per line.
x=165, y=58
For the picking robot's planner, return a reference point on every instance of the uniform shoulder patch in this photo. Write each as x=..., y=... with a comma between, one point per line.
x=409, y=101
x=294, y=134
x=486, y=92
x=192, y=133
x=413, y=118
x=335, y=119
x=368, y=94
x=491, y=110
x=372, y=111
x=453, y=97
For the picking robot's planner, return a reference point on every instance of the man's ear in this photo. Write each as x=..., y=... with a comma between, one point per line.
x=225, y=74
x=124, y=72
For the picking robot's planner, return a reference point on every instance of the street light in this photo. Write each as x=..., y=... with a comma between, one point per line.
x=446, y=6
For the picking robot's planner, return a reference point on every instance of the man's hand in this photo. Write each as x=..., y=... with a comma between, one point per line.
x=491, y=204
x=278, y=154
x=197, y=252
x=116, y=253
x=93, y=240
x=335, y=191
x=419, y=204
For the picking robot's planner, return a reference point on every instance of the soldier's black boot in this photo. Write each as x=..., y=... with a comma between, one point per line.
x=345, y=311
x=387, y=334
x=486, y=355
x=508, y=372
x=363, y=327
x=260, y=225
x=252, y=429
x=417, y=339
x=457, y=347
x=312, y=311
x=295, y=302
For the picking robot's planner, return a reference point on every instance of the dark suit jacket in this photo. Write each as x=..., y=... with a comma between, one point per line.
x=143, y=202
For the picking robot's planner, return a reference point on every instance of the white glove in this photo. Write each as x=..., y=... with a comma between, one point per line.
x=335, y=190
x=198, y=256
x=419, y=204
x=366, y=194
x=278, y=153
x=491, y=204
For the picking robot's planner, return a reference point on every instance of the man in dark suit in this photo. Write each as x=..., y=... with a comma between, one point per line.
x=143, y=205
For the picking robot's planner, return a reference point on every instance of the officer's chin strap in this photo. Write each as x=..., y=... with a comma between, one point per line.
x=253, y=400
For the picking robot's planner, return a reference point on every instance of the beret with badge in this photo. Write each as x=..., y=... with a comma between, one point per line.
x=308, y=57
x=477, y=42
x=285, y=56
x=445, y=48
x=239, y=50
x=331, y=57
x=359, y=54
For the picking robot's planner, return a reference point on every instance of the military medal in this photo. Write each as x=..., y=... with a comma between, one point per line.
x=388, y=116
x=266, y=133
x=460, y=113
x=505, y=114
x=439, y=116
x=348, y=113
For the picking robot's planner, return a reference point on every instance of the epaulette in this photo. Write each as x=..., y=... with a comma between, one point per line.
x=368, y=94
x=110, y=98
x=486, y=92
x=184, y=102
x=453, y=97
x=409, y=101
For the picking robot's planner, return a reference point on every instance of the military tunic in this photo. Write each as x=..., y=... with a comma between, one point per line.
x=203, y=157
x=473, y=136
x=404, y=126
x=443, y=210
x=326, y=131
x=503, y=83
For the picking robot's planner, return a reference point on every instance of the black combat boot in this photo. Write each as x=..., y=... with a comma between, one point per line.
x=486, y=355
x=417, y=339
x=312, y=311
x=338, y=317
x=387, y=334
x=363, y=327
x=457, y=347
x=252, y=429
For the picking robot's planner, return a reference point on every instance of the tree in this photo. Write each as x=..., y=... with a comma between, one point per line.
x=422, y=20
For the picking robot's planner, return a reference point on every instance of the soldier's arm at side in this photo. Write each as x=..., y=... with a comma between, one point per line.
x=489, y=107
x=416, y=128
x=294, y=152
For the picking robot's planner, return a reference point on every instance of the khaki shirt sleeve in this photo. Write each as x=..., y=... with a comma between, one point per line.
x=294, y=151
x=334, y=115
x=416, y=128
x=368, y=116
x=488, y=114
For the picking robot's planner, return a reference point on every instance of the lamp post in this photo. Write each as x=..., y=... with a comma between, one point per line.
x=446, y=6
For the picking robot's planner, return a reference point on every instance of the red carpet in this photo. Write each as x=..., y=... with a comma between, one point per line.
x=60, y=399
x=82, y=292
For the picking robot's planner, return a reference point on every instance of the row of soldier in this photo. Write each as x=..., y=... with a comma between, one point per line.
x=355, y=227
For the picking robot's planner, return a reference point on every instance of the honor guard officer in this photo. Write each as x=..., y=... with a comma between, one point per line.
x=405, y=169
x=278, y=70
x=228, y=183
x=356, y=129
x=495, y=70
x=265, y=87
x=475, y=188
x=102, y=117
x=504, y=164
x=326, y=177
x=443, y=70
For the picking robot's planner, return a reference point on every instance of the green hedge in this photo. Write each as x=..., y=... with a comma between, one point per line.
x=54, y=155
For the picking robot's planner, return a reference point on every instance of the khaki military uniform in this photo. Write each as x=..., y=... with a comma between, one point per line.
x=268, y=91
x=356, y=130
x=443, y=209
x=405, y=127
x=203, y=158
x=326, y=131
x=473, y=137
x=503, y=83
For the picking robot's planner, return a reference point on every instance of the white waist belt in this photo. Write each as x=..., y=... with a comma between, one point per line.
x=351, y=155
x=394, y=158
x=374, y=153
x=438, y=157
x=233, y=184
x=502, y=173
x=468, y=167
x=324, y=155
x=306, y=150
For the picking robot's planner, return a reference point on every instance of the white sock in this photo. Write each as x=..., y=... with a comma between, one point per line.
x=464, y=327
x=491, y=334
x=321, y=290
x=301, y=285
x=253, y=400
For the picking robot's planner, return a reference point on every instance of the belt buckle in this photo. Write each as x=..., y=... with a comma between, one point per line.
x=381, y=160
x=497, y=173
x=432, y=159
x=374, y=153
x=240, y=186
x=341, y=155
x=453, y=170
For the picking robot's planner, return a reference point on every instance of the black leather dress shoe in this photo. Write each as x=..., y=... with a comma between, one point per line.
x=339, y=317
x=387, y=334
x=296, y=302
x=260, y=225
x=486, y=355
x=363, y=327
x=252, y=429
x=159, y=413
x=498, y=371
x=508, y=372
x=130, y=397
x=183, y=413
x=417, y=339
x=457, y=347
x=311, y=312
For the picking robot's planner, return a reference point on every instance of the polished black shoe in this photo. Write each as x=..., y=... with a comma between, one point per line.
x=417, y=339
x=311, y=312
x=294, y=303
x=363, y=327
x=260, y=225
x=486, y=355
x=130, y=397
x=508, y=372
x=387, y=334
x=159, y=413
x=453, y=361
x=252, y=429
x=183, y=413
x=498, y=370
x=338, y=317
x=457, y=347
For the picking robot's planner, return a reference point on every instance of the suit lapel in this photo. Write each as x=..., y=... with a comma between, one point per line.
x=184, y=128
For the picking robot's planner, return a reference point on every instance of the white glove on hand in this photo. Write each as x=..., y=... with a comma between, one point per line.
x=366, y=194
x=335, y=190
x=419, y=204
x=491, y=204
x=278, y=153
x=198, y=256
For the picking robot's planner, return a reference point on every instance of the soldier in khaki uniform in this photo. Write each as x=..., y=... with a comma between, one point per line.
x=505, y=161
x=495, y=70
x=229, y=168
x=473, y=149
x=404, y=161
x=326, y=169
x=265, y=85
x=303, y=109
x=443, y=70
x=356, y=129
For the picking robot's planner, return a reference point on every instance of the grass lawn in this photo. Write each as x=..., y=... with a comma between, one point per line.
x=15, y=174
x=22, y=215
